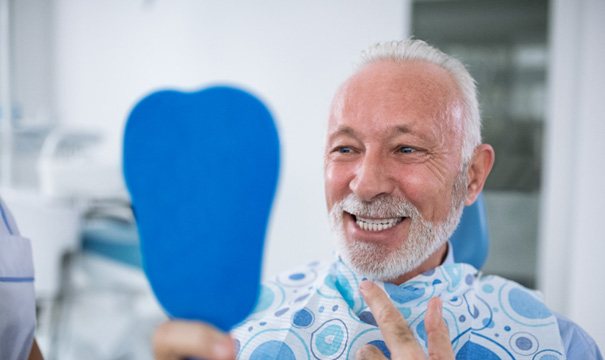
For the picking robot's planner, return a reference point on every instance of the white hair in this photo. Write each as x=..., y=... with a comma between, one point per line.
x=411, y=50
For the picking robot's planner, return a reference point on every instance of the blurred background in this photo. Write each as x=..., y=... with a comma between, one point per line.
x=71, y=70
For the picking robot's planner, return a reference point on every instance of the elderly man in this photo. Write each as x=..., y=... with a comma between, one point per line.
x=403, y=156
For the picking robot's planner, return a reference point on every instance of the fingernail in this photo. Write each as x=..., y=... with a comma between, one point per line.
x=223, y=349
x=365, y=286
x=439, y=306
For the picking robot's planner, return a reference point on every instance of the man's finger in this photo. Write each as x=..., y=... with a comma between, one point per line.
x=181, y=339
x=369, y=352
x=395, y=330
x=438, y=336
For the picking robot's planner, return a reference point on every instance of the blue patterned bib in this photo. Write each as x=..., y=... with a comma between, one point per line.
x=317, y=312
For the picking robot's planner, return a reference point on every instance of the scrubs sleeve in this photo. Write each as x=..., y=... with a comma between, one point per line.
x=17, y=298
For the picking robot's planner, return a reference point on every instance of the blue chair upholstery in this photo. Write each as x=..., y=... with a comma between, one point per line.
x=471, y=239
x=113, y=240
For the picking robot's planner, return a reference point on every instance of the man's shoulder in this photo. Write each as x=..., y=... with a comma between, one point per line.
x=578, y=344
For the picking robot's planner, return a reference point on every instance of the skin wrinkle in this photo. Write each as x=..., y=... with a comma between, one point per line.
x=440, y=96
x=456, y=108
x=449, y=104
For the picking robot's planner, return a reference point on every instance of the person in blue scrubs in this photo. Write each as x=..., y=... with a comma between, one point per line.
x=17, y=298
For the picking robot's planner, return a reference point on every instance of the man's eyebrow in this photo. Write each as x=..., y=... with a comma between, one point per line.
x=344, y=131
x=349, y=131
x=403, y=129
x=398, y=130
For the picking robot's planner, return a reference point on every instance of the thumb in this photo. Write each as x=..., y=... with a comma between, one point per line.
x=369, y=352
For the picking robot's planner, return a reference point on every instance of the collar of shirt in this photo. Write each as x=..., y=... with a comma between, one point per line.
x=449, y=257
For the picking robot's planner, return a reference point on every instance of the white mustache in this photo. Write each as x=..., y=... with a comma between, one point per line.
x=382, y=207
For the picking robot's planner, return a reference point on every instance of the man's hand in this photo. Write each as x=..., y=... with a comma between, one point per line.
x=188, y=339
x=397, y=335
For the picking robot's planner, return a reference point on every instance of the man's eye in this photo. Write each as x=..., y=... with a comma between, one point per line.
x=344, y=150
x=407, y=150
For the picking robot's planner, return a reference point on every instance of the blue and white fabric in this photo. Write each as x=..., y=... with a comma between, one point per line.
x=17, y=300
x=317, y=312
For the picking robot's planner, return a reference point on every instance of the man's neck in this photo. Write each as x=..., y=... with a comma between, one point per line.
x=432, y=262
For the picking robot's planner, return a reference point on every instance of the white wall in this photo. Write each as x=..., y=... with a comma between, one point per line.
x=572, y=239
x=32, y=72
x=294, y=54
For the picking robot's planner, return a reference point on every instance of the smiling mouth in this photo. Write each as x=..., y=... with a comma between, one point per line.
x=375, y=225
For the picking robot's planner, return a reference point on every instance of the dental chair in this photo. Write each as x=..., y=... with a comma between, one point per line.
x=107, y=310
x=471, y=239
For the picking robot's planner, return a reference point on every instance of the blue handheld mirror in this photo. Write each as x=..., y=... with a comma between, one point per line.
x=202, y=170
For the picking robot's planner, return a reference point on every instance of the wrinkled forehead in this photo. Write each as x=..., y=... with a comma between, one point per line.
x=415, y=88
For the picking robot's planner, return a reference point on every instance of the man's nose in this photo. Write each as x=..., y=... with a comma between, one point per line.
x=371, y=179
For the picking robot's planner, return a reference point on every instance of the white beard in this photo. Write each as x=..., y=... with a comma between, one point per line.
x=379, y=262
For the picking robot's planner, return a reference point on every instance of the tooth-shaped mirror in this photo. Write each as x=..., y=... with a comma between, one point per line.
x=202, y=169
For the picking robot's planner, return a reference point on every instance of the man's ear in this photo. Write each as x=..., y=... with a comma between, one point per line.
x=479, y=168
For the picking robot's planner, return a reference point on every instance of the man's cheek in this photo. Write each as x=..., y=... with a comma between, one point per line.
x=336, y=185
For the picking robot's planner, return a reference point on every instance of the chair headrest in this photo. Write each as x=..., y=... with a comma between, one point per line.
x=471, y=239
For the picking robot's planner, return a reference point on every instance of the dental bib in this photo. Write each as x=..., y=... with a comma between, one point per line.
x=202, y=170
x=317, y=312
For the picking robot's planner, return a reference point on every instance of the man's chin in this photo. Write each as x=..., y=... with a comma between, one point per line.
x=375, y=261
x=382, y=263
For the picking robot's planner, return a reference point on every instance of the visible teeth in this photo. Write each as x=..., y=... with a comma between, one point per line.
x=377, y=224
